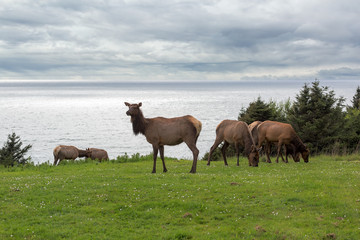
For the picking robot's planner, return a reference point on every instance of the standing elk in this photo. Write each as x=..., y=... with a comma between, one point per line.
x=237, y=132
x=62, y=152
x=161, y=131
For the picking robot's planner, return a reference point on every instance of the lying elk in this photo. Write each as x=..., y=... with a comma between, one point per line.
x=281, y=133
x=289, y=149
x=161, y=131
x=96, y=153
x=62, y=152
x=237, y=132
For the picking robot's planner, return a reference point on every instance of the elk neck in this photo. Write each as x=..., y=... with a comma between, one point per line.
x=139, y=123
x=248, y=142
x=82, y=153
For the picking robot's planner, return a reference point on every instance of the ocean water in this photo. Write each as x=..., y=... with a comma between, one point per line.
x=92, y=114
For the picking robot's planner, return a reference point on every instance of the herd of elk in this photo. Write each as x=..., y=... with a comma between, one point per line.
x=160, y=131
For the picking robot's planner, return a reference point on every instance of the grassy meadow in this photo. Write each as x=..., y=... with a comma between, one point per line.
x=123, y=200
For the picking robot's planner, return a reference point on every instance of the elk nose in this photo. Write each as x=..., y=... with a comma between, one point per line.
x=128, y=113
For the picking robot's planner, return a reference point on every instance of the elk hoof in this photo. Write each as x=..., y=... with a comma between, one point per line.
x=192, y=170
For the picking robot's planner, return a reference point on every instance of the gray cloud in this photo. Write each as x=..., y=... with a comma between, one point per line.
x=344, y=72
x=190, y=40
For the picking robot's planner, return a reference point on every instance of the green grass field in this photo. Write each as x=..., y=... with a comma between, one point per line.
x=123, y=200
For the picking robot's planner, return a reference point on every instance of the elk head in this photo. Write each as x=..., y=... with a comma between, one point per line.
x=134, y=109
x=88, y=153
x=253, y=157
x=305, y=155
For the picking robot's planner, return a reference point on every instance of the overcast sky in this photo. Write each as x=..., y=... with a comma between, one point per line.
x=179, y=40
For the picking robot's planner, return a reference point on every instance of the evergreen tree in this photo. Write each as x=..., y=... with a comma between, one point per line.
x=12, y=153
x=280, y=110
x=356, y=99
x=262, y=111
x=317, y=116
x=256, y=111
x=352, y=127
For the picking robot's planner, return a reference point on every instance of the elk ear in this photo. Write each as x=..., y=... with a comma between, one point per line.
x=127, y=104
x=140, y=104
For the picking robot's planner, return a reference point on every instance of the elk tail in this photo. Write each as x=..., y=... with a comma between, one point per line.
x=56, y=153
x=198, y=126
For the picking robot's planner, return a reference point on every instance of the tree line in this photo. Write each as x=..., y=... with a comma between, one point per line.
x=322, y=120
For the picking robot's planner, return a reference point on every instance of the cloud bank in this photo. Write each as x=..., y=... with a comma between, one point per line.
x=179, y=40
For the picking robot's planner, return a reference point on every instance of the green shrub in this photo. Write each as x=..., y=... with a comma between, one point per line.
x=12, y=154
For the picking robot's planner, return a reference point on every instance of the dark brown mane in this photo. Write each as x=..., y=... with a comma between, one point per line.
x=299, y=145
x=139, y=123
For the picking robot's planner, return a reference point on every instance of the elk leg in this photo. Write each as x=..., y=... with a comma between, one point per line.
x=267, y=151
x=161, y=148
x=223, y=151
x=278, y=151
x=212, y=149
x=155, y=149
x=237, y=154
x=55, y=161
x=281, y=153
x=60, y=159
x=260, y=142
x=267, y=148
x=286, y=154
x=195, y=152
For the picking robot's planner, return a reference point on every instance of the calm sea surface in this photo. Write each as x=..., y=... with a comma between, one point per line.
x=92, y=114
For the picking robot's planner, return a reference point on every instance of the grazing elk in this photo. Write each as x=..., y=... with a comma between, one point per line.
x=62, y=152
x=289, y=149
x=237, y=132
x=281, y=133
x=96, y=153
x=161, y=131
